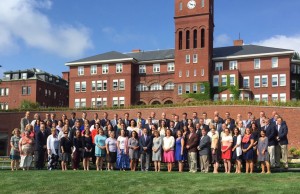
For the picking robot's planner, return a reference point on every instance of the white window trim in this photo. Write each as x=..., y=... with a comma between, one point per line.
x=262, y=77
x=214, y=83
x=119, y=68
x=105, y=69
x=259, y=84
x=219, y=66
x=142, y=69
x=187, y=59
x=276, y=64
x=275, y=76
x=156, y=68
x=195, y=58
x=93, y=69
x=246, y=78
x=234, y=67
x=171, y=67
x=256, y=60
x=280, y=77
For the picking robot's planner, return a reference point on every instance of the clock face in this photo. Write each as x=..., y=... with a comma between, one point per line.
x=191, y=4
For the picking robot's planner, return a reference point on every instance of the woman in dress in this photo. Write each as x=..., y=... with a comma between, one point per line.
x=237, y=150
x=77, y=150
x=168, y=147
x=14, y=151
x=111, y=150
x=26, y=149
x=52, y=148
x=256, y=135
x=226, y=150
x=156, y=151
x=87, y=144
x=179, y=150
x=262, y=152
x=162, y=129
x=133, y=145
x=247, y=148
x=122, y=157
x=100, y=149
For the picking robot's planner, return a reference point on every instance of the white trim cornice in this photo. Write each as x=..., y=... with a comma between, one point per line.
x=253, y=55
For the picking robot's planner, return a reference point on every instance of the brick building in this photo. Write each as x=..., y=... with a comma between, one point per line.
x=35, y=86
x=166, y=76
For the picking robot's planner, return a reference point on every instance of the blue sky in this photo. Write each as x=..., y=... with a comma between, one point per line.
x=48, y=33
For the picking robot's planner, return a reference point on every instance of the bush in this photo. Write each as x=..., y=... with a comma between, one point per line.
x=28, y=105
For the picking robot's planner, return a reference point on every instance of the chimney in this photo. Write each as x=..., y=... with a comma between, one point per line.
x=136, y=50
x=66, y=75
x=238, y=42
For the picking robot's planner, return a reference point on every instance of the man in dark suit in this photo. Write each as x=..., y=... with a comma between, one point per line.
x=40, y=147
x=172, y=128
x=191, y=146
x=195, y=118
x=83, y=118
x=218, y=124
x=145, y=143
x=104, y=120
x=204, y=151
x=149, y=125
x=72, y=119
x=261, y=121
x=139, y=119
x=216, y=114
x=227, y=116
x=53, y=118
x=281, y=148
x=164, y=118
x=271, y=134
x=126, y=119
x=93, y=122
x=73, y=130
x=203, y=125
x=177, y=123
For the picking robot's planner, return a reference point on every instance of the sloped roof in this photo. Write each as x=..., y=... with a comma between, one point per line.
x=153, y=55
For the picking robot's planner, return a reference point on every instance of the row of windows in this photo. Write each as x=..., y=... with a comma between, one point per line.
x=188, y=58
x=4, y=91
x=187, y=73
x=188, y=39
x=233, y=65
x=202, y=3
x=216, y=81
x=155, y=87
x=257, y=97
x=3, y=106
x=100, y=85
x=195, y=88
x=100, y=102
x=156, y=68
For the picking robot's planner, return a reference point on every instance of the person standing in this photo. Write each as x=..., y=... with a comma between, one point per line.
x=111, y=150
x=66, y=149
x=226, y=150
x=271, y=134
x=77, y=151
x=215, y=154
x=100, y=149
x=145, y=143
x=262, y=152
x=281, y=148
x=179, y=150
x=87, y=144
x=26, y=148
x=191, y=146
x=204, y=151
x=133, y=145
x=122, y=157
x=15, y=151
x=237, y=150
x=247, y=148
x=25, y=121
x=168, y=147
x=156, y=151
x=52, y=148
x=40, y=147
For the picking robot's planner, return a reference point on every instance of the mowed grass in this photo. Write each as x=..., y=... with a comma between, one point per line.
x=145, y=182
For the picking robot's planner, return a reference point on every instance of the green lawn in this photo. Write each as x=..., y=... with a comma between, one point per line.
x=145, y=182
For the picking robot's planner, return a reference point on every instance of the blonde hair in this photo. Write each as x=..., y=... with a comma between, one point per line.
x=14, y=131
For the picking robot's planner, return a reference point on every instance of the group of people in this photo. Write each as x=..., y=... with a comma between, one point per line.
x=124, y=143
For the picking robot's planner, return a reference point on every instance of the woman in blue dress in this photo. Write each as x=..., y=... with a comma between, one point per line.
x=179, y=150
x=100, y=149
x=248, y=153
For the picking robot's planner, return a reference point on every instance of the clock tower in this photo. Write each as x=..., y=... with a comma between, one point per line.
x=194, y=28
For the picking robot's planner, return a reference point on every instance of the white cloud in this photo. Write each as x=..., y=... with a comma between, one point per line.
x=281, y=41
x=23, y=20
x=222, y=40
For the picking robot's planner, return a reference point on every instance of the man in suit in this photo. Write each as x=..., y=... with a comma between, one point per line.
x=260, y=122
x=83, y=118
x=25, y=121
x=114, y=121
x=204, y=151
x=149, y=125
x=172, y=128
x=139, y=119
x=72, y=119
x=73, y=130
x=104, y=120
x=145, y=143
x=218, y=124
x=271, y=134
x=164, y=118
x=216, y=114
x=126, y=119
x=229, y=124
x=282, y=140
x=191, y=146
x=195, y=118
x=274, y=117
x=153, y=118
x=177, y=123
x=93, y=122
x=40, y=147
x=207, y=121
x=47, y=117
x=53, y=118
x=227, y=116
x=248, y=120
x=184, y=121
x=203, y=125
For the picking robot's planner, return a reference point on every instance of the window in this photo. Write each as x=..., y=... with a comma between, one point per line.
x=224, y=80
x=274, y=97
x=274, y=80
x=115, y=84
x=2, y=91
x=246, y=97
x=231, y=97
x=264, y=97
x=216, y=97
x=77, y=103
x=82, y=102
x=7, y=91
x=141, y=87
x=257, y=98
x=104, y=102
x=233, y=65
x=169, y=86
x=105, y=85
x=282, y=78
x=180, y=40
x=294, y=68
x=119, y=68
x=187, y=88
x=115, y=101
x=83, y=86
x=232, y=79
x=122, y=84
x=224, y=97
x=15, y=76
x=187, y=73
x=264, y=81
x=179, y=89
x=180, y=73
x=142, y=69
x=122, y=101
x=195, y=72
x=219, y=66
x=202, y=3
x=99, y=102
x=24, y=75
x=105, y=69
x=202, y=88
x=274, y=62
x=187, y=59
x=256, y=81
x=171, y=67
x=195, y=39
x=77, y=86
x=195, y=58
x=180, y=6
x=93, y=103
x=283, y=97
x=187, y=36
x=80, y=70
x=256, y=63
x=93, y=69
x=46, y=92
x=155, y=87
x=246, y=82
x=99, y=85
x=216, y=81
x=202, y=38
x=156, y=68
x=195, y=88
x=93, y=86
x=293, y=85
